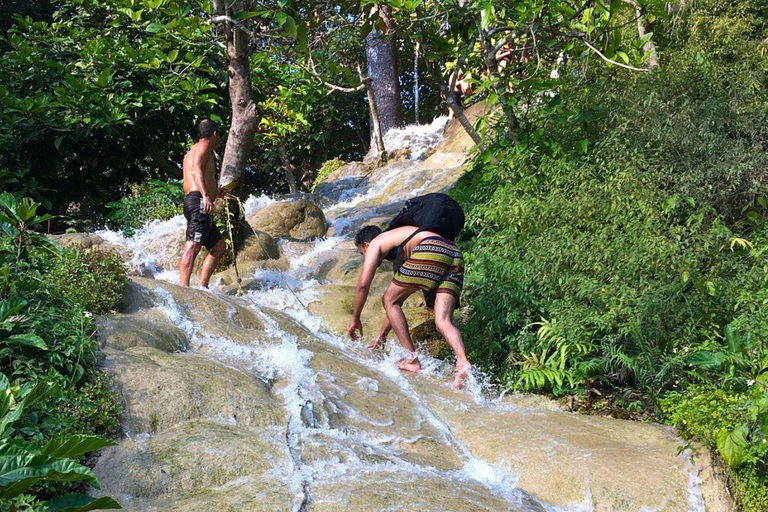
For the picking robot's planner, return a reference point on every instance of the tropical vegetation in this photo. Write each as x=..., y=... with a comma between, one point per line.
x=617, y=207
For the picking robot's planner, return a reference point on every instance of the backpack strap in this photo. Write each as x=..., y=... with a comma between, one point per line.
x=404, y=242
x=399, y=249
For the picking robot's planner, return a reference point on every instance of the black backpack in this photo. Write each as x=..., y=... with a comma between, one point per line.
x=431, y=212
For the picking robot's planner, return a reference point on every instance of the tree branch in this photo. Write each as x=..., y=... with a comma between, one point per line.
x=606, y=59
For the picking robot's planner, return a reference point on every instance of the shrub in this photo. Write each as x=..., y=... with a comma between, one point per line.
x=620, y=240
x=326, y=169
x=47, y=340
x=94, y=280
x=151, y=200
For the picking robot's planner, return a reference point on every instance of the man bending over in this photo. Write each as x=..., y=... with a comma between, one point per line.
x=199, y=193
x=425, y=261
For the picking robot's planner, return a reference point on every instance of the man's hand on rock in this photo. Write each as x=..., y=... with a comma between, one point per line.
x=377, y=342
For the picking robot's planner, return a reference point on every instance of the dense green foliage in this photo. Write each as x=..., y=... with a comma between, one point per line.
x=151, y=200
x=621, y=242
x=47, y=353
x=26, y=463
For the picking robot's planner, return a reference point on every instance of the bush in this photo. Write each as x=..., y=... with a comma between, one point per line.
x=326, y=169
x=151, y=200
x=619, y=242
x=94, y=280
x=46, y=340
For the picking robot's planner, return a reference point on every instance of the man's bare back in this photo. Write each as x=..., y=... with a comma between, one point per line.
x=199, y=170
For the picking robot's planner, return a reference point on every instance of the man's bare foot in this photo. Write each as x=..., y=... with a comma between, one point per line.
x=409, y=366
x=462, y=372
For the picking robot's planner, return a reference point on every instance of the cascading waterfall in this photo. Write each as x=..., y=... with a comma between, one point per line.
x=357, y=433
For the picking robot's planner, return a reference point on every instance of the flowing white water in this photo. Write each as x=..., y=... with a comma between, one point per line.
x=313, y=395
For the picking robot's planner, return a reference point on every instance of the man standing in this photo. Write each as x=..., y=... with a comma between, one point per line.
x=199, y=193
x=424, y=260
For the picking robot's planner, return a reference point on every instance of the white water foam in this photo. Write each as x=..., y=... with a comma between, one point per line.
x=418, y=138
x=283, y=357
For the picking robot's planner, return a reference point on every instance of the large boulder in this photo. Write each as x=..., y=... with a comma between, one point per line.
x=145, y=328
x=81, y=241
x=300, y=220
x=161, y=390
x=197, y=455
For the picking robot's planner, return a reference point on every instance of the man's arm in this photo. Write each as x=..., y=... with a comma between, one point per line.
x=198, y=178
x=373, y=257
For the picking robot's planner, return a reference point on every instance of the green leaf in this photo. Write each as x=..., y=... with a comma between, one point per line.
x=18, y=473
x=732, y=446
x=733, y=339
x=154, y=27
x=80, y=503
x=706, y=360
x=582, y=146
x=26, y=340
x=10, y=306
x=290, y=27
x=74, y=446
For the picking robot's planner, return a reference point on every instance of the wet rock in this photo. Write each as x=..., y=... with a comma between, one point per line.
x=569, y=459
x=259, y=250
x=82, y=241
x=207, y=314
x=135, y=297
x=188, y=458
x=456, y=138
x=166, y=249
x=398, y=155
x=390, y=489
x=161, y=390
x=146, y=328
x=300, y=220
x=258, y=246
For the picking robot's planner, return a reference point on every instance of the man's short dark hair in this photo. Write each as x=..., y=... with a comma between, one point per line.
x=366, y=234
x=206, y=128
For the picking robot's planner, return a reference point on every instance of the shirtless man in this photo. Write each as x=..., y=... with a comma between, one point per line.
x=424, y=261
x=199, y=193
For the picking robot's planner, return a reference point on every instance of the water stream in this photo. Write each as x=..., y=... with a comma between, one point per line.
x=270, y=408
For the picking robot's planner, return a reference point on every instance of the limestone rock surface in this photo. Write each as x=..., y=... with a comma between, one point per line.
x=300, y=219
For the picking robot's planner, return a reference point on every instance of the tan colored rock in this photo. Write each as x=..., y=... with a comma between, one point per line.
x=566, y=458
x=406, y=492
x=161, y=390
x=245, y=494
x=258, y=246
x=259, y=250
x=81, y=241
x=300, y=220
x=145, y=328
x=188, y=458
x=333, y=304
x=212, y=315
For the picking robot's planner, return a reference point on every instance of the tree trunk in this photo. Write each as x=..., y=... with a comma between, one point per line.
x=416, y=83
x=376, y=134
x=649, y=47
x=380, y=52
x=290, y=169
x=245, y=115
x=446, y=91
x=491, y=66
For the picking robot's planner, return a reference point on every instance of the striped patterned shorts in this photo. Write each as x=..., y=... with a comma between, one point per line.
x=436, y=265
